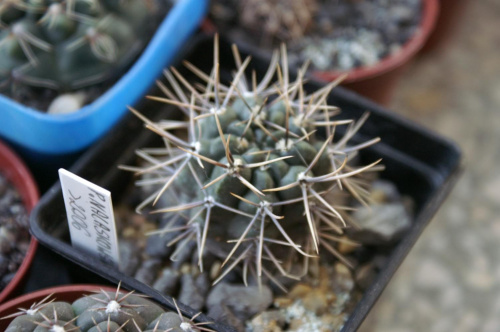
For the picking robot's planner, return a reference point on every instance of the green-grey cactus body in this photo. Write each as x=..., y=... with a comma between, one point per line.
x=100, y=312
x=69, y=44
x=258, y=171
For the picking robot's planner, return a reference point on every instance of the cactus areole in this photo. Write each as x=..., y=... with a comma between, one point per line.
x=250, y=173
x=68, y=44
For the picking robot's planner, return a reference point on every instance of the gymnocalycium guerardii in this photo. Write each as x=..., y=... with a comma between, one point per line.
x=273, y=21
x=256, y=169
x=103, y=311
x=69, y=44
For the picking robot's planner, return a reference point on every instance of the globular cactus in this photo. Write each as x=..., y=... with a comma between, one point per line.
x=69, y=44
x=259, y=171
x=103, y=311
x=273, y=21
x=278, y=20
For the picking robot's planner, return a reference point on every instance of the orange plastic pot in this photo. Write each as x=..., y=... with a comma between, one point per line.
x=17, y=173
x=68, y=293
x=449, y=18
x=377, y=82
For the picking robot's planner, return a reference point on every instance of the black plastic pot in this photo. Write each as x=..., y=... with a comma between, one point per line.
x=423, y=165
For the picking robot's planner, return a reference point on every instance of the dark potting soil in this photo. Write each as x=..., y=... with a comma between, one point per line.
x=343, y=34
x=14, y=235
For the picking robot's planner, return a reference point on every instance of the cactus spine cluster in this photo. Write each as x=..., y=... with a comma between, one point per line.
x=258, y=169
x=68, y=44
x=102, y=311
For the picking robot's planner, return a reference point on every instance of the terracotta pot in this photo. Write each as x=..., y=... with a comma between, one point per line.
x=378, y=82
x=375, y=82
x=17, y=173
x=450, y=13
x=68, y=293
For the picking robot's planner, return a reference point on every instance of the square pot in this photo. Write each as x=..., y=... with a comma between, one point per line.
x=41, y=134
x=423, y=166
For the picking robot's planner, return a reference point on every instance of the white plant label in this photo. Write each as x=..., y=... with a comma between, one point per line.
x=90, y=218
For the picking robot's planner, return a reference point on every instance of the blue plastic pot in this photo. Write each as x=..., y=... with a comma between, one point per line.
x=45, y=134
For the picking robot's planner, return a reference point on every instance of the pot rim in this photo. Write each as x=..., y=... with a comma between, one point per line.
x=18, y=174
x=430, y=13
x=24, y=301
x=46, y=135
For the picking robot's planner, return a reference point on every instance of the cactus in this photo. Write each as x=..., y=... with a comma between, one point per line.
x=69, y=44
x=103, y=311
x=280, y=20
x=258, y=173
x=273, y=21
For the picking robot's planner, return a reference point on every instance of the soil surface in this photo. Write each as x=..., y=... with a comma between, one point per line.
x=342, y=35
x=14, y=235
x=321, y=300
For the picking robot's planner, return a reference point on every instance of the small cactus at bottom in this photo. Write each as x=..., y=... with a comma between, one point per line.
x=252, y=176
x=102, y=311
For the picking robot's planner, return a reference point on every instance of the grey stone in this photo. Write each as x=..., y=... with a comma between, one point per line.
x=243, y=301
x=168, y=281
x=342, y=280
x=148, y=271
x=224, y=315
x=130, y=258
x=269, y=318
x=365, y=275
x=67, y=103
x=194, y=290
x=156, y=245
x=380, y=223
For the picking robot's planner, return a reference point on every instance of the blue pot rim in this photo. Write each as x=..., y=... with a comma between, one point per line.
x=66, y=133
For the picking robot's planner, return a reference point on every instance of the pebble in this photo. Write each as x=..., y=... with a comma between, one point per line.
x=318, y=301
x=194, y=290
x=148, y=271
x=14, y=235
x=347, y=246
x=299, y=291
x=342, y=280
x=156, y=245
x=244, y=302
x=268, y=321
x=167, y=282
x=380, y=223
x=365, y=275
x=223, y=314
x=383, y=191
x=129, y=257
x=67, y=103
